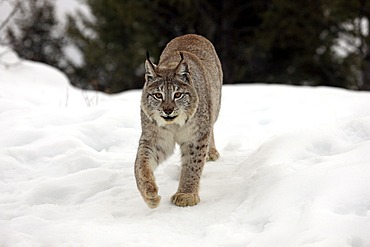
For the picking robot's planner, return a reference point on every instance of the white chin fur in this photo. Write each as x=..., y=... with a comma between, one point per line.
x=180, y=120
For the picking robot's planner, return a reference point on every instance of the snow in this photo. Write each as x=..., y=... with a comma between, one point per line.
x=294, y=168
x=350, y=41
x=71, y=7
x=63, y=8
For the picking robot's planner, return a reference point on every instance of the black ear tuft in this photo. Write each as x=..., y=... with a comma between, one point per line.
x=182, y=69
x=150, y=73
x=147, y=55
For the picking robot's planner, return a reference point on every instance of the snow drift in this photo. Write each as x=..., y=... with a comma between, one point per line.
x=294, y=168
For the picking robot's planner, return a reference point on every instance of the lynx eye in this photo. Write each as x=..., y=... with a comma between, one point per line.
x=158, y=95
x=178, y=95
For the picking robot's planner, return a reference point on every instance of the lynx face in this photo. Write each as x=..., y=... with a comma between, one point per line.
x=169, y=96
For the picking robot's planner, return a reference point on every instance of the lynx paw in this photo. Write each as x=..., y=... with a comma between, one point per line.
x=212, y=154
x=150, y=194
x=185, y=199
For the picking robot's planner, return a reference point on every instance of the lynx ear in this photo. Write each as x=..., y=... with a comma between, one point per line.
x=182, y=69
x=149, y=69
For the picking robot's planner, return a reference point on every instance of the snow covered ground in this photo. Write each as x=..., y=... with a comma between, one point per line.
x=294, y=168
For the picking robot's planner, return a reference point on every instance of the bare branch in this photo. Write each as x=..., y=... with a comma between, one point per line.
x=12, y=13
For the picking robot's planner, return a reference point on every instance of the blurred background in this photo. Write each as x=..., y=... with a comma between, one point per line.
x=101, y=44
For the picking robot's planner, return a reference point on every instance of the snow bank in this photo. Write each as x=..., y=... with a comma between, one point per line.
x=294, y=168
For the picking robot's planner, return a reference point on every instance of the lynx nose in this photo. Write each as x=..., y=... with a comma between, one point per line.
x=168, y=110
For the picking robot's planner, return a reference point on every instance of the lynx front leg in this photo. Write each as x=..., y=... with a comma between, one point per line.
x=194, y=156
x=145, y=180
x=147, y=160
x=151, y=152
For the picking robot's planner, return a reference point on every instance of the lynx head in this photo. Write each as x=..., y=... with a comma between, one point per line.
x=169, y=96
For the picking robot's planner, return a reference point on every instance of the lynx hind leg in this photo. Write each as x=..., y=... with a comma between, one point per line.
x=212, y=154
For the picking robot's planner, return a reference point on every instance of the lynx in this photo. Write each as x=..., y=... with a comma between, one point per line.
x=179, y=105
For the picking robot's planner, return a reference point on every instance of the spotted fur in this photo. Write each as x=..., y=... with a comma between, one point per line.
x=180, y=104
